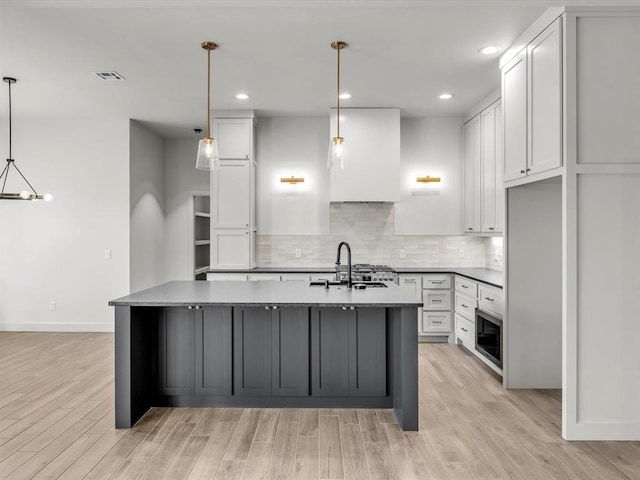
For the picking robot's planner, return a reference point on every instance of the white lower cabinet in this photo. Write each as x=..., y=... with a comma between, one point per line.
x=232, y=248
x=470, y=295
x=436, y=296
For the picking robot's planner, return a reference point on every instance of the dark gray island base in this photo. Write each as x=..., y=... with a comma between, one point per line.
x=266, y=344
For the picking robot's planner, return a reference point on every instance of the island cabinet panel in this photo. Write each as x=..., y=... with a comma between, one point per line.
x=213, y=351
x=176, y=344
x=329, y=352
x=348, y=352
x=367, y=352
x=252, y=351
x=290, y=351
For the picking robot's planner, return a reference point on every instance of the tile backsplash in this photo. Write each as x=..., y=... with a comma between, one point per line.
x=368, y=227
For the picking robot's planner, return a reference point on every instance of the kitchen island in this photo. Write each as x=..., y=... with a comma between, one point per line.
x=266, y=344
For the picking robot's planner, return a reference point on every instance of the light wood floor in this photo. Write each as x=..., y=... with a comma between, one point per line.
x=56, y=421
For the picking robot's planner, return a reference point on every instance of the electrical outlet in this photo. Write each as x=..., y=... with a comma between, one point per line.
x=460, y=253
x=52, y=305
x=107, y=254
x=298, y=253
x=402, y=253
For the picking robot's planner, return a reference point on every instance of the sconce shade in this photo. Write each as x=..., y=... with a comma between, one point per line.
x=292, y=180
x=428, y=179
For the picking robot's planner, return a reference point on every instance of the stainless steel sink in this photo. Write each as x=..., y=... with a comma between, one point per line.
x=356, y=285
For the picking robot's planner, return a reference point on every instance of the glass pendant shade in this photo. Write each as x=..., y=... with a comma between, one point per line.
x=337, y=153
x=208, y=157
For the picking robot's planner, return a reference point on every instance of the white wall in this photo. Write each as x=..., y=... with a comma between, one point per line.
x=288, y=147
x=433, y=147
x=181, y=181
x=56, y=251
x=147, y=207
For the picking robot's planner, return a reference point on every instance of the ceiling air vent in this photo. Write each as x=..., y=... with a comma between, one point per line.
x=109, y=76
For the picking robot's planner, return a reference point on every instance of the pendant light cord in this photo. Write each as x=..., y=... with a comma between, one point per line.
x=208, y=93
x=338, y=96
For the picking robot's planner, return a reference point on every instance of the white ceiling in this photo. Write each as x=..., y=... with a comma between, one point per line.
x=401, y=54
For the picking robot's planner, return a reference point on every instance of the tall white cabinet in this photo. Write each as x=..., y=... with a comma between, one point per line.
x=483, y=165
x=532, y=99
x=233, y=193
x=572, y=228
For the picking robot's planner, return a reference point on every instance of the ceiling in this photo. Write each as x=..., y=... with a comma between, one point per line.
x=400, y=54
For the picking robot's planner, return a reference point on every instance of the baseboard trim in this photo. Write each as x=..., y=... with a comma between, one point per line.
x=56, y=327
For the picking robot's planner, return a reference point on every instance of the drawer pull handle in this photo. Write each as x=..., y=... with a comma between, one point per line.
x=465, y=286
x=464, y=329
x=521, y=171
x=464, y=306
x=437, y=281
x=490, y=299
x=436, y=321
x=491, y=228
x=436, y=301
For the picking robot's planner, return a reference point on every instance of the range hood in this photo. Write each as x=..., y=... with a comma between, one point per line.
x=372, y=172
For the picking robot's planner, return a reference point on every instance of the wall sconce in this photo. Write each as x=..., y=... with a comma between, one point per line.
x=292, y=180
x=428, y=179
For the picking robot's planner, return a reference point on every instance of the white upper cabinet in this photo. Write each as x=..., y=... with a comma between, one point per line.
x=234, y=136
x=514, y=104
x=483, y=164
x=232, y=186
x=372, y=167
x=492, y=166
x=472, y=175
x=532, y=101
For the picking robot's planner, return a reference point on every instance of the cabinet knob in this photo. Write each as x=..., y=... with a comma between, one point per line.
x=197, y=307
x=471, y=228
x=266, y=307
x=189, y=307
x=352, y=308
x=274, y=307
x=522, y=171
x=528, y=169
x=491, y=228
x=344, y=308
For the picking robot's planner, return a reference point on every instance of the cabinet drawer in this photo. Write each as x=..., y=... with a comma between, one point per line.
x=465, y=332
x=491, y=299
x=466, y=286
x=436, y=299
x=226, y=277
x=436, y=322
x=466, y=306
x=436, y=280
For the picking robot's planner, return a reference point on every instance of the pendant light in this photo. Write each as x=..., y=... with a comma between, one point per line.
x=337, y=147
x=30, y=194
x=208, y=157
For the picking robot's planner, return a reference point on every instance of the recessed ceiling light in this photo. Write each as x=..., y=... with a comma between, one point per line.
x=345, y=96
x=242, y=96
x=446, y=96
x=489, y=50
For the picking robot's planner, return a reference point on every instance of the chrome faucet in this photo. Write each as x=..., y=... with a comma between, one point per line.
x=349, y=281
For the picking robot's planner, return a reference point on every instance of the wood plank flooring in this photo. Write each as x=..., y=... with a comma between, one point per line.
x=56, y=421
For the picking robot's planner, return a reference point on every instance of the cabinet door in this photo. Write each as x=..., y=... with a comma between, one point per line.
x=488, y=170
x=290, y=351
x=231, y=195
x=367, y=352
x=514, y=104
x=329, y=352
x=545, y=101
x=472, y=177
x=235, y=137
x=413, y=284
x=213, y=351
x=175, y=351
x=230, y=248
x=252, y=351
x=498, y=169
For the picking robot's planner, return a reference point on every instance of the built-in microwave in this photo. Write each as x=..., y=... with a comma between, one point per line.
x=489, y=338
